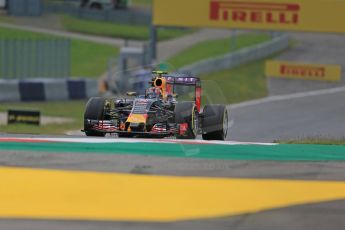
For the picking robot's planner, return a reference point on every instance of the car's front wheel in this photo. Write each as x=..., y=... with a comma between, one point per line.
x=186, y=116
x=94, y=110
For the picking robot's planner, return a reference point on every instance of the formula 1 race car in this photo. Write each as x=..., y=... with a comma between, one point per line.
x=158, y=113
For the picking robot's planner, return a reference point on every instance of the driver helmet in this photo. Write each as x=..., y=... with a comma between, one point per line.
x=153, y=92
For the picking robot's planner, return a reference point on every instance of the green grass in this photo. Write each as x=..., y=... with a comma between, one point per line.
x=115, y=30
x=315, y=140
x=242, y=83
x=70, y=109
x=142, y=2
x=215, y=48
x=39, y=130
x=88, y=59
x=6, y=19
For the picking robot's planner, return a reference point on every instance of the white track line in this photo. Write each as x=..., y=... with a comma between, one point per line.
x=288, y=97
x=132, y=140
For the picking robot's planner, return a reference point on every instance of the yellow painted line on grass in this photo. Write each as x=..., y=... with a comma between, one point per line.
x=52, y=194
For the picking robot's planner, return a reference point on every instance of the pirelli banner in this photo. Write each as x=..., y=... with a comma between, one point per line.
x=295, y=15
x=296, y=70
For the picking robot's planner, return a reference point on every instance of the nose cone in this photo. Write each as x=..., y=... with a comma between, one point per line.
x=137, y=118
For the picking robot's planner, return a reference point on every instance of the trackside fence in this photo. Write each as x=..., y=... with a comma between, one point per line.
x=24, y=7
x=22, y=59
x=127, y=16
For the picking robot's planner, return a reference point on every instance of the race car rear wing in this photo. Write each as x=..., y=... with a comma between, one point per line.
x=187, y=80
x=179, y=78
x=183, y=80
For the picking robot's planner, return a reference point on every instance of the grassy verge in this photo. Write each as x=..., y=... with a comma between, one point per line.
x=315, y=140
x=4, y=18
x=88, y=59
x=235, y=85
x=242, y=83
x=146, y=3
x=215, y=48
x=71, y=109
x=134, y=32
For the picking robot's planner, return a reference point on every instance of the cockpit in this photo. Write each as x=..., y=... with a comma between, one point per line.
x=153, y=92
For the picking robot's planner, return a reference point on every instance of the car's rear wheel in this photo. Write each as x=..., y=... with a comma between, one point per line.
x=215, y=122
x=95, y=108
x=186, y=113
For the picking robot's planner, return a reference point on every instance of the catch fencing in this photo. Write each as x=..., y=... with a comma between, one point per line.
x=24, y=7
x=123, y=16
x=29, y=58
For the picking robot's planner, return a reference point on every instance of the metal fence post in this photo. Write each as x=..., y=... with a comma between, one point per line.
x=14, y=59
x=2, y=58
x=31, y=58
x=153, y=43
x=41, y=54
x=6, y=57
x=20, y=63
x=68, y=59
x=50, y=58
x=233, y=40
x=37, y=57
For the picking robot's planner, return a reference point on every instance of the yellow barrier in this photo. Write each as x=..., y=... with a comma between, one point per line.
x=299, y=15
x=303, y=71
x=74, y=195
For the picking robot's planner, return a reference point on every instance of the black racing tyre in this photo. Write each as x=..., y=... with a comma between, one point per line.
x=94, y=110
x=215, y=122
x=125, y=135
x=186, y=112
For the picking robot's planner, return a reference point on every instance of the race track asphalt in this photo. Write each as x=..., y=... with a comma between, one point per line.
x=290, y=119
